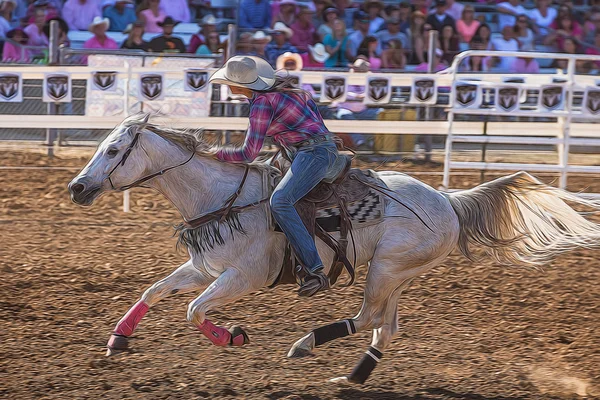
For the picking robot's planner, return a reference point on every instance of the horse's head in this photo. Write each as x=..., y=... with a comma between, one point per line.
x=118, y=161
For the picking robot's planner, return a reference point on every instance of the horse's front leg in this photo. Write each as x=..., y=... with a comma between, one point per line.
x=231, y=285
x=184, y=279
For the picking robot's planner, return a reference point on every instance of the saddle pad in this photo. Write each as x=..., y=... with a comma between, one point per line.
x=362, y=212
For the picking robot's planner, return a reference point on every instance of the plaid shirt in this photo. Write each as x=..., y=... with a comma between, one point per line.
x=287, y=117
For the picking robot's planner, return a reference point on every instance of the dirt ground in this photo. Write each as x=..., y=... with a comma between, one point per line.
x=467, y=331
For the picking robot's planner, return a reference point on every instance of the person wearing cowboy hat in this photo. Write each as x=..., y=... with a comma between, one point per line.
x=316, y=56
x=280, y=44
x=289, y=62
x=120, y=15
x=13, y=51
x=167, y=43
x=291, y=118
x=305, y=33
x=79, y=14
x=259, y=42
x=286, y=13
x=208, y=24
x=98, y=27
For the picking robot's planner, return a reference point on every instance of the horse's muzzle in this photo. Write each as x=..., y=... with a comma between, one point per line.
x=82, y=192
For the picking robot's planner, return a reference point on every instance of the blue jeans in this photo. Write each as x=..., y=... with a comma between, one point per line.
x=310, y=166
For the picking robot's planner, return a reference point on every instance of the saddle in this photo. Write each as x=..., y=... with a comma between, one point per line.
x=348, y=186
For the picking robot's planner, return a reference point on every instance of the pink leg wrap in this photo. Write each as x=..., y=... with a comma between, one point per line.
x=128, y=323
x=220, y=336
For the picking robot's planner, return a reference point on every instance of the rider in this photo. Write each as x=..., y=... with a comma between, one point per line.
x=290, y=117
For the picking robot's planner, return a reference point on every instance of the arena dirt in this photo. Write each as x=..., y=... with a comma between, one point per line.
x=467, y=330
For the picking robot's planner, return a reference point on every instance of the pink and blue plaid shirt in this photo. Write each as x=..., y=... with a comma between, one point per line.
x=288, y=117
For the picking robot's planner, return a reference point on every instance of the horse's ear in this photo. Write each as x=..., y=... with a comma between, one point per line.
x=146, y=118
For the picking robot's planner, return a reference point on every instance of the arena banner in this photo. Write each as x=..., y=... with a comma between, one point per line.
x=378, y=90
x=333, y=88
x=552, y=97
x=466, y=94
x=104, y=81
x=11, y=88
x=57, y=87
x=591, y=101
x=423, y=90
x=152, y=86
x=195, y=80
x=508, y=98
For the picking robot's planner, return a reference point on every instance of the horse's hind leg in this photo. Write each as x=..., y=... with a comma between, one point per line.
x=184, y=279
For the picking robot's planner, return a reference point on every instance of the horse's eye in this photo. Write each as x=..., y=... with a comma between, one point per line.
x=112, y=152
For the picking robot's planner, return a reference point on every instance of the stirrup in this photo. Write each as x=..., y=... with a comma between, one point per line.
x=313, y=282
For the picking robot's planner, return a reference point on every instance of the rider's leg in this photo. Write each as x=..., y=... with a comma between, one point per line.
x=307, y=170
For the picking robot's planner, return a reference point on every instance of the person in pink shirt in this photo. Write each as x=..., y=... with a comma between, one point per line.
x=304, y=30
x=566, y=27
x=438, y=65
x=525, y=66
x=13, y=52
x=36, y=30
x=595, y=51
x=79, y=14
x=368, y=49
x=151, y=14
x=467, y=25
x=50, y=10
x=98, y=27
x=316, y=56
x=208, y=25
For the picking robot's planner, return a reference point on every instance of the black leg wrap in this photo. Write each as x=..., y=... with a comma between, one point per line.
x=333, y=331
x=364, y=368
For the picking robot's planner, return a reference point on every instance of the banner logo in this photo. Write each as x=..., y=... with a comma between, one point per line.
x=424, y=89
x=196, y=80
x=334, y=88
x=152, y=86
x=9, y=87
x=466, y=94
x=105, y=80
x=57, y=87
x=508, y=98
x=552, y=97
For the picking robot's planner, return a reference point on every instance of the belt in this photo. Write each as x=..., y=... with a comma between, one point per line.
x=314, y=140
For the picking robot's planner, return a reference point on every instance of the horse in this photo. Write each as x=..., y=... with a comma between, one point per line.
x=515, y=219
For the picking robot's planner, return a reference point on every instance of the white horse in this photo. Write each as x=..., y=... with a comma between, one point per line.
x=515, y=219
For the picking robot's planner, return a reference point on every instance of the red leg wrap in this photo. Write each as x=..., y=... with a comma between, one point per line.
x=219, y=336
x=129, y=322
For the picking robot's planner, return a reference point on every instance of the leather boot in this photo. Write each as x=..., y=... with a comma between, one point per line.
x=314, y=282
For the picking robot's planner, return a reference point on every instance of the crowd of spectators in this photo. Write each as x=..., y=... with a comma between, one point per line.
x=324, y=33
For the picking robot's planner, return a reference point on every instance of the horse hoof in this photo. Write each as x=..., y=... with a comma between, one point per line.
x=239, y=337
x=116, y=344
x=303, y=347
x=340, y=381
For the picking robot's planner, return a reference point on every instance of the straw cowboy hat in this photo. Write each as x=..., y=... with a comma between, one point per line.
x=318, y=52
x=360, y=65
x=208, y=19
x=99, y=21
x=281, y=27
x=282, y=59
x=259, y=36
x=249, y=72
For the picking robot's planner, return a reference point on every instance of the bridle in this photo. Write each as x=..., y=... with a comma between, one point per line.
x=146, y=178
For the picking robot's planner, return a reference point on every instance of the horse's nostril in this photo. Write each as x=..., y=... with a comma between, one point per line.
x=77, y=188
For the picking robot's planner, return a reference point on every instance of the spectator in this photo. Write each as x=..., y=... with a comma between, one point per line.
x=437, y=63
x=289, y=62
x=390, y=11
x=50, y=10
x=448, y=44
x=6, y=10
x=287, y=12
x=542, y=17
x=567, y=27
x=506, y=43
x=167, y=43
x=484, y=33
x=316, y=56
x=475, y=63
x=305, y=33
x=393, y=56
x=135, y=40
x=98, y=27
x=404, y=14
x=417, y=30
x=63, y=31
x=508, y=13
x=595, y=51
x=213, y=45
x=368, y=49
x=280, y=43
x=35, y=31
x=374, y=8
x=392, y=32
x=592, y=26
x=79, y=14
x=523, y=34
x=356, y=37
x=439, y=19
x=179, y=10
x=14, y=51
x=120, y=15
x=320, y=7
x=421, y=6
x=454, y=9
x=346, y=13
x=570, y=47
x=244, y=45
x=523, y=65
x=152, y=15
x=259, y=42
x=255, y=14
x=208, y=25
x=335, y=45
x=330, y=14
x=467, y=25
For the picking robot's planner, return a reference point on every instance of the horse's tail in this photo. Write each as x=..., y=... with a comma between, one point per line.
x=519, y=220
